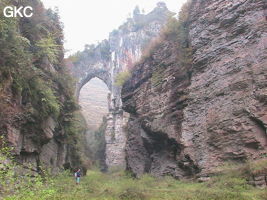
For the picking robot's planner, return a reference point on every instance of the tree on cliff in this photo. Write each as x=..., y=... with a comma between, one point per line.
x=136, y=11
x=34, y=84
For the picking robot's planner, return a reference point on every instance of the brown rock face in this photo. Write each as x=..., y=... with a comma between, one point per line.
x=38, y=114
x=226, y=115
x=187, y=120
x=107, y=61
x=156, y=96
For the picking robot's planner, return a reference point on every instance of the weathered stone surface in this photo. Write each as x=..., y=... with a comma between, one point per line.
x=123, y=49
x=190, y=120
x=49, y=126
x=229, y=73
x=155, y=96
x=14, y=137
x=259, y=180
x=35, y=108
x=51, y=155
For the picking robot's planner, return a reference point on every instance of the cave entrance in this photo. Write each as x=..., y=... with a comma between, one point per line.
x=93, y=102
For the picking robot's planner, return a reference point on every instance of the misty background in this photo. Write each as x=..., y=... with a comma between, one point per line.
x=90, y=21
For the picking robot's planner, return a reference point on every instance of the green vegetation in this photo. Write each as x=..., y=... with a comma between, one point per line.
x=15, y=179
x=176, y=32
x=250, y=168
x=22, y=52
x=75, y=128
x=92, y=52
x=157, y=76
x=43, y=97
x=259, y=167
x=150, y=49
x=229, y=184
x=47, y=47
x=34, y=83
x=97, y=144
x=120, y=186
x=104, y=49
x=74, y=125
x=122, y=77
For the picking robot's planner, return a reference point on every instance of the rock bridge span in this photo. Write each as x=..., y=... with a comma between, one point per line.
x=101, y=73
x=108, y=59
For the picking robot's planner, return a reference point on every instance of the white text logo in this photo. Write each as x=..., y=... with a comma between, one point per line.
x=10, y=11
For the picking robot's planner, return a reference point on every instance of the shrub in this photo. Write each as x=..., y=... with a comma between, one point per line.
x=43, y=98
x=157, y=76
x=171, y=29
x=175, y=30
x=75, y=128
x=257, y=167
x=65, y=82
x=47, y=47
x=246, y=170
x=150, y=48
x=122, y=77
x=132, y=194
x=97, y=144
x=75, y=125
x=74, y=58
x=104, y=49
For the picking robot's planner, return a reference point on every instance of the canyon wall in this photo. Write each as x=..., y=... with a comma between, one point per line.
x=37, y=108
x=110, y=59
x=188, y=118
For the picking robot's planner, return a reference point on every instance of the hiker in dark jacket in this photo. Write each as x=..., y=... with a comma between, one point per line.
x=78, y=176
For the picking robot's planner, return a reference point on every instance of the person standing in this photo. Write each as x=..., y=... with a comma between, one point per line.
x=78, y=176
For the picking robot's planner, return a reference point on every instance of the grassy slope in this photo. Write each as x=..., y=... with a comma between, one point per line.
x=120, y=186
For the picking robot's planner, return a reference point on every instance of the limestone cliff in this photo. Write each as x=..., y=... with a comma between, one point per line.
x=110, y=58
x=37, y=107
x=187, y=118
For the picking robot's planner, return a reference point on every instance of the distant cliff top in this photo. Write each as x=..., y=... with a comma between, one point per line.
x=160, y=13
x=126, y=41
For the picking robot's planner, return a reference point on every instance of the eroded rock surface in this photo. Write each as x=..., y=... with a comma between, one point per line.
x=110, y=58
x=36, y=97
x=188, y=120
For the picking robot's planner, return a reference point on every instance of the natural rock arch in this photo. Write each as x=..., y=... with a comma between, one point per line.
x=111, y=57
x=102, y=74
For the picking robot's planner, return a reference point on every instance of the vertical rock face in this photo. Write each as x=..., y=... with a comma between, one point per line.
x=155, y=97
x=109, y=59
x=126, y=46
x=36, y=102
x=228, y=86
x=187, y=120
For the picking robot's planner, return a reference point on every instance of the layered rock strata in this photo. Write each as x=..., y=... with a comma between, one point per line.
x=188, y=120
x=36, y=100
x=111, y=57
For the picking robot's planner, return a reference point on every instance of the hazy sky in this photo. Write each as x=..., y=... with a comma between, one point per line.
x=89, y=21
